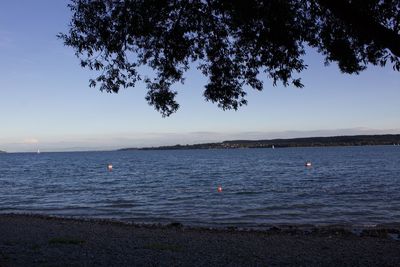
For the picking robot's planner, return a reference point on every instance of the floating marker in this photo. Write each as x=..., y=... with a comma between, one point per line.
x=308, y=164
x=109, y=167
x=219, y=189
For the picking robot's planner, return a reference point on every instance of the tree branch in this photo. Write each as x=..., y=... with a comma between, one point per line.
x=363, y=25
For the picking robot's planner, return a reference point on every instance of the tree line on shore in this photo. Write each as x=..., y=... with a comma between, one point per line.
x=356, y=140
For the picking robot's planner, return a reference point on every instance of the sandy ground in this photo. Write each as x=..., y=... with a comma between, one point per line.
x=44, y=241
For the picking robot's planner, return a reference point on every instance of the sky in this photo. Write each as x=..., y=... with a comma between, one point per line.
x=46, y=103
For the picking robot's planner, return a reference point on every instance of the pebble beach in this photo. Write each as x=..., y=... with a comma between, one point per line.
x=36, y=240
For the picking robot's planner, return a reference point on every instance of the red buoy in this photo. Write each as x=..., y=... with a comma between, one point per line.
x=219, y=189
x=109, y=167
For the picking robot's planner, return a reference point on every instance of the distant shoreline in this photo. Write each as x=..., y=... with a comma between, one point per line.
x=354, y=140
x=331, y=141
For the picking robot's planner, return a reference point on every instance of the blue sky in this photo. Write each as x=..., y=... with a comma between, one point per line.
x=46, y=103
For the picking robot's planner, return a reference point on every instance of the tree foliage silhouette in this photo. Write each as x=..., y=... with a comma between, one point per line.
x=232, y=42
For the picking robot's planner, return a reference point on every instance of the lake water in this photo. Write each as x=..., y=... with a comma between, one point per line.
x=350, y=185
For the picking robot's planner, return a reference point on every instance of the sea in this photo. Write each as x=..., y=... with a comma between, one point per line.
x=209, y=188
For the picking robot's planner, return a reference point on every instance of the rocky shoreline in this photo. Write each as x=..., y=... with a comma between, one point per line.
x=35, y=240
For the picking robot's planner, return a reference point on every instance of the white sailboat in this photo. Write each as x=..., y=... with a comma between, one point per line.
x=38, y=151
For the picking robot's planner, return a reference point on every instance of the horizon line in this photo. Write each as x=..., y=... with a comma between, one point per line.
x=117, y=148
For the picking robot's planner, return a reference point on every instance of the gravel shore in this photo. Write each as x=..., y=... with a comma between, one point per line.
x=31, y=240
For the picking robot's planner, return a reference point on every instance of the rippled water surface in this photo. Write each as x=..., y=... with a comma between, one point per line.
x=355, y=185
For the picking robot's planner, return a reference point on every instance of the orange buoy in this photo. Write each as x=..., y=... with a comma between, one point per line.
x=219, y=189
x=110, y=167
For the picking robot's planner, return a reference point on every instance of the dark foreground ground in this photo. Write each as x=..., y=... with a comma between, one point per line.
x=43, y=241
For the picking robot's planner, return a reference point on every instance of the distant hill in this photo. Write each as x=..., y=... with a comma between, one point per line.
x=1, y=151
x=355, y=140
